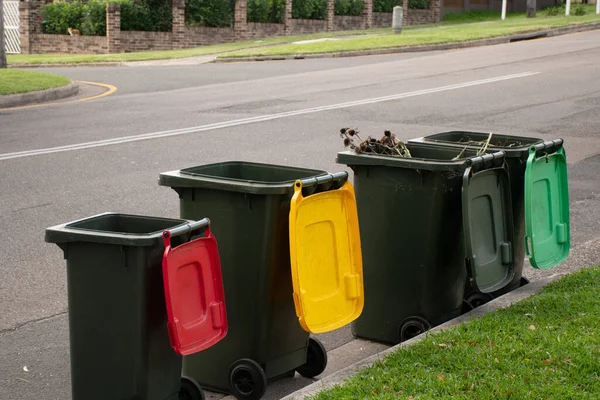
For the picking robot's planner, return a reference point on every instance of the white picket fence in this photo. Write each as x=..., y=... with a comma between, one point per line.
x=12, y=38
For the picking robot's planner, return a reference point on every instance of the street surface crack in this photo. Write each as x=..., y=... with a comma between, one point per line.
x=19, y=326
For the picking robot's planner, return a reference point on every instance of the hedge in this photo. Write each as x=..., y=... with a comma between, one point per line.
x=309, y=9
x=388, y=5
x=90, y=18
x=349, y=7
x=215, y=13
x=266, y=10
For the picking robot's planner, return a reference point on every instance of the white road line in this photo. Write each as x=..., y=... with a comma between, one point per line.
x=252, y=120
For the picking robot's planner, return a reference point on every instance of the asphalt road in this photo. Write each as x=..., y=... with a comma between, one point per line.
x=290, y=113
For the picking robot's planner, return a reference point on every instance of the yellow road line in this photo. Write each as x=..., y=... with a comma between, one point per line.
x=110, y=90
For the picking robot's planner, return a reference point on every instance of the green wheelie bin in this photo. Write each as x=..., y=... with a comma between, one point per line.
x=249, y=204
x=417, y=217
x=516, y=149
x=119, y=341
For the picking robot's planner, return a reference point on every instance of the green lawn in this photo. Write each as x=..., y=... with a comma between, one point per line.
x=447, y=33
x=17, y=81
x=544, y=347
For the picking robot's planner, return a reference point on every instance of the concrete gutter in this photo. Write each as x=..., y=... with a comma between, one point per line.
x=504, y=301
x=21, y=99
x=433, y=47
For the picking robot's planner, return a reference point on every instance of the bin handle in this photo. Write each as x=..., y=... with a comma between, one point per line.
x=548, y=145
x=323, y=179
x=187, y=228
x=487, y=158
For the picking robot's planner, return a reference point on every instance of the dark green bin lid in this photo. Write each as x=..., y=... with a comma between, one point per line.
x=513, y=146
x=488, y=228
x=239, y=176
x=114, y=228
x=423, y=157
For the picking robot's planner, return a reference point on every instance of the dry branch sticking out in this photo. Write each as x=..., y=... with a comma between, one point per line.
x=387, y=145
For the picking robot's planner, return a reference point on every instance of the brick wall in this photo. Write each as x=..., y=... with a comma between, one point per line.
x=132, y=41
x=42, y=43
x=301, y=26
x=347, y=23
x=418, y=17
x=200, y=36
x=382, y=20
x=258, y=30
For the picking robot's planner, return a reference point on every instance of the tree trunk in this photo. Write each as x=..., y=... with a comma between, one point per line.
x=2, y=45
x=531, y=6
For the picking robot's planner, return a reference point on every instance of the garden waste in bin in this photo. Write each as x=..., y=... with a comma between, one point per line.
x=517, y=153
x=278, y=290
x=416, y=215
x=120, y=345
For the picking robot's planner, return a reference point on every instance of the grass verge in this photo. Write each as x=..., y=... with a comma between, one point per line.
x=544, y=347
x=14, y=81
x=170, y=54
x=450, y=32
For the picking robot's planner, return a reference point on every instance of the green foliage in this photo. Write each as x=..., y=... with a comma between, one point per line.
x=94, y=20
x=266, y=10
x=309, y=9
x=418, y=4
x=90, y=18
x=58, y=17
x=385, y=5
x=215, y=13
x=146, y=16
x=349, y=7
x=580, y=10
x=553, y=11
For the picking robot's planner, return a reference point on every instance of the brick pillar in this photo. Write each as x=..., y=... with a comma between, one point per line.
x=287, y=18
x=330, y=15
x=178, y=27
x=25, y=26
x=30, y=23
x=240, y=20
x=368, y=14
x=113, y=27
x=436, y=8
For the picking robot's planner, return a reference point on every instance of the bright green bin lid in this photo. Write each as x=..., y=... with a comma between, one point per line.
x=547, y=223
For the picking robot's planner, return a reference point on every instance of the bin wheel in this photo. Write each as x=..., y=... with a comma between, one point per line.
x=476, y=299
x=411, y=327
x=247, y=379
x=316, y=359
x=190, y=389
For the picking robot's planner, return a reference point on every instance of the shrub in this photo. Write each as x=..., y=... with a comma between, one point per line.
x=309, y=9
x=580, y=10
x=349, y=7
x=216, y=13
x=385, y=5
x=58, y=17
x=266, y=10
x=90, y=18
x=418, y=4
x=552, y=11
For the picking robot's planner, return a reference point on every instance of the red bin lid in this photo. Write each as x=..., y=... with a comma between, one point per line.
x=194, y=294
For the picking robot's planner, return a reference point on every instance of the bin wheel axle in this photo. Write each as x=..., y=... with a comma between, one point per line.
x=190, y=389
x=316, y=359
x=476, y=299
x=411, y=327
x=247, y=379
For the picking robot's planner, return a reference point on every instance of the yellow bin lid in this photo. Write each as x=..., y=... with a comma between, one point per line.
x=326, y=258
